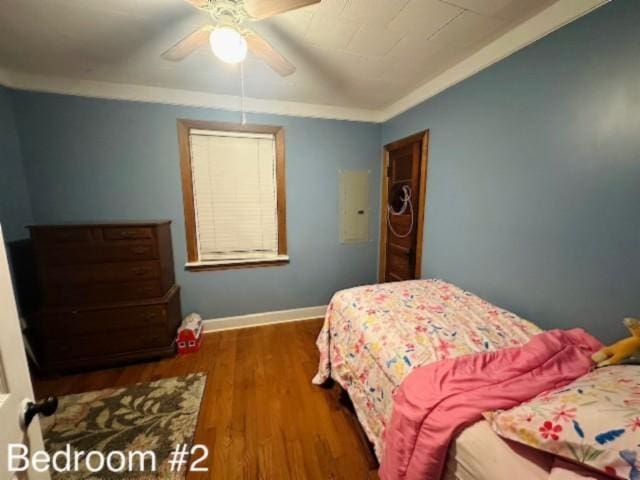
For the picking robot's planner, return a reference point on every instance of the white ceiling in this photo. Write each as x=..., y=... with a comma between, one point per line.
x=364, y=54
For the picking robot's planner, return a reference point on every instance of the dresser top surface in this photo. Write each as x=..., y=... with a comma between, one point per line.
x=102, y=223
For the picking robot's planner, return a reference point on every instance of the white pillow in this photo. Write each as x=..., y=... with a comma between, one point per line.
x=594, y=421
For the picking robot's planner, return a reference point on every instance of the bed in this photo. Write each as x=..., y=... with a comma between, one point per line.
x=374, y=336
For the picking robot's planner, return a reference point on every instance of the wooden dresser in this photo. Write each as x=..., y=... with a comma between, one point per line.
x=108, y=294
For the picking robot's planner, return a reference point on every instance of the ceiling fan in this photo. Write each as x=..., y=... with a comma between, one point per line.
x=230, y=39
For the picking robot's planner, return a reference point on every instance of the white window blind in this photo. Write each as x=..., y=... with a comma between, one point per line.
x=235, y=194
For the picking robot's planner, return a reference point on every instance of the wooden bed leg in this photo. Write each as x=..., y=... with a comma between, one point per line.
x=328, y=384
x=345, y=400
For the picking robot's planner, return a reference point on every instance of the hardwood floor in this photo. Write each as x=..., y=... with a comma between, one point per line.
x=261, y=417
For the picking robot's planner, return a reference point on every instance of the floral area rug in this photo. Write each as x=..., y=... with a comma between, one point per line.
x=143, y=417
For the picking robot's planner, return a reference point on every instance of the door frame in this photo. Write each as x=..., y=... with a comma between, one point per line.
x=17, y=381
x=421, y=204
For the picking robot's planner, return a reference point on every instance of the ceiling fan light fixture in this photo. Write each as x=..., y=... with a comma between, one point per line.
x=228, y=44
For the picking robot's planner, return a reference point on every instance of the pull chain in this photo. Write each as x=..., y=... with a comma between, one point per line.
x=244, y=114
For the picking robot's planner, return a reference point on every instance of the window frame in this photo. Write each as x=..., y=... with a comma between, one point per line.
x=193, y=261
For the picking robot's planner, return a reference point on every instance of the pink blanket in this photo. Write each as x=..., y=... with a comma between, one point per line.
x=436, y=401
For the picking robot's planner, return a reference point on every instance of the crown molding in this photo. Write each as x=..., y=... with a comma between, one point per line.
x=550, y=19
x=169, y=96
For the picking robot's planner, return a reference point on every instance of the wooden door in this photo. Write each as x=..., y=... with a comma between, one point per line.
x=403, y=194
x=15, y=383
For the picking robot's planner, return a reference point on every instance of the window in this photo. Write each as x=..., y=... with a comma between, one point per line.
x=233, y=193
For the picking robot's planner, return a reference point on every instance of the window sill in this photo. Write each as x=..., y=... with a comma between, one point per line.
x=235, y=264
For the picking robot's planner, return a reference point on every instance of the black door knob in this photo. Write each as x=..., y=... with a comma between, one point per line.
x=46, y=407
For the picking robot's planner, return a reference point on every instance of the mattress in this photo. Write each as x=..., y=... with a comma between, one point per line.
x=479, y=454
x=374, y=336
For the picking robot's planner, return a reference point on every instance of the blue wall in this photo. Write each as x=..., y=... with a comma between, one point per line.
x=89, y=159
x=533, y=195
x=15, y=210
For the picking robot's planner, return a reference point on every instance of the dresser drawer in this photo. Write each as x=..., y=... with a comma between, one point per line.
x=97, y=253
x=67, y=325
x=99, y=345
x=89, y=336
x=126, y=233
x=102, y=273
x=63, y=235
x=102, y=293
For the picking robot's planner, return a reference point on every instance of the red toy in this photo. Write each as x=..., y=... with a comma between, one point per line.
x=189, y=337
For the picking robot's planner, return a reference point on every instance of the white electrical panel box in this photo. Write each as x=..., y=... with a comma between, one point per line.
x=354, y=206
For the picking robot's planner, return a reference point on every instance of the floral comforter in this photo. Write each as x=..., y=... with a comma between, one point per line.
x=374, y=336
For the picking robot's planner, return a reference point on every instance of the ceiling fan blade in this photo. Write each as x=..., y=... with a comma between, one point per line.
x=260, y=9
x=198, y=3
x=188, y=44
x=265, y=52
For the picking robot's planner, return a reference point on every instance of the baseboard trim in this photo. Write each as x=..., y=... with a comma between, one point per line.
x=261, y=319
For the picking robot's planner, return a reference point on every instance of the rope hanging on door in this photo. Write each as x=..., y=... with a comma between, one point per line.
x=406, y=203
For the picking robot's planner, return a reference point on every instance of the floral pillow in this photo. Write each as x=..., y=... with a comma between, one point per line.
x=594, y=421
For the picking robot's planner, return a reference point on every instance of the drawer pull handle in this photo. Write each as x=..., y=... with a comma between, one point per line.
x=127, y=234
x=140, y=271
x=139, y=250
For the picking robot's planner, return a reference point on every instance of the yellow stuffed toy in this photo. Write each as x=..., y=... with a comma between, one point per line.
x=619, y=351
